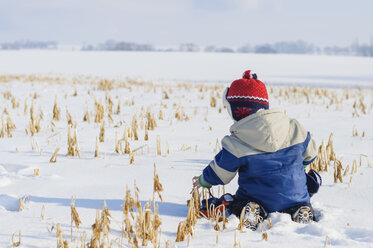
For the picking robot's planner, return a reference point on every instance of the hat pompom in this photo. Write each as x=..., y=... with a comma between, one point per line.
x=249, y=75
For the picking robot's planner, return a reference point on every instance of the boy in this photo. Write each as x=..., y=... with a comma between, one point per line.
x=269, y=152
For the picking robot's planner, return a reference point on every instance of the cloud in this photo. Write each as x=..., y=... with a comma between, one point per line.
x=145, y=5
x=246, y=4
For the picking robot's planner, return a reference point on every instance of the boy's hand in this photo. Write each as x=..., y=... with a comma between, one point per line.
x=196, y=183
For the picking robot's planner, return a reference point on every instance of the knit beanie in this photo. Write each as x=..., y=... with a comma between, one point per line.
x=246, y=96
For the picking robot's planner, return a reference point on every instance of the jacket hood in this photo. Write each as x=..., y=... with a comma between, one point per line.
x=266, y=130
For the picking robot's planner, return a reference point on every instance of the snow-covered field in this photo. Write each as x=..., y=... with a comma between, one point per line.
x=184, y=84
x=195, y=67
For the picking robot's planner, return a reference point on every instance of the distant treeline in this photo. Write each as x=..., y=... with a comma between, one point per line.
x=291, y=47
x=17, y=45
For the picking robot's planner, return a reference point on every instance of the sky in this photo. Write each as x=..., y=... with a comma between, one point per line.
x=231, y=23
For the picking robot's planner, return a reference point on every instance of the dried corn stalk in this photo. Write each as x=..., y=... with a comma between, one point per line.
x=72, y=143
x=34, y=124
x=212, y=102
x=354, y=167
x=146, y=137
x=86, y=116
x=181, y=232
x=42, y=214
x=118, y=144
x=151, y=123
x=56, y=110
x=99, y=116
x=157, y=186
x=338, y=171
x=241, y=225
x=217, y=217
x=347, y=171
x=159, y=152
x=74, y=217
x=118, y=108
x=102, y=131
x=16, y=243
x=3, y=129
x=10, y=126
x=69, y=118
x=269, y=223
x=265, y=236
x=54, y=156
x=21, y=204
x=97, y=154
x=61, y=243
x=235, y=245
x=186, y=228
x=132, y=158
x=101, y=228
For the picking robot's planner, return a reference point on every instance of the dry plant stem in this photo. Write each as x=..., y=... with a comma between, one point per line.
x=102, y=132
x=265, y=236
x=159, y=152
x=180, y=236
x=86, y=116
x=168, y=148
x=74, y=217
x=157, y=186
x=132, y=158
x=42, y=214
x=217, y=217
x=68, y=117
x=327, y=241
x=354, y=167
x=146, y=137
x=97, y=154
x=16, y=243
x=21, y=204
x=269, y=223
x=118, y=144
x=3, y=129
x=338, y=171
x=235, y=239
x=197, y=198
x=207, y=204
x=100, y=112
x=56, y=110
x=127, y=149
x=186, y=227
x=224, y=219
x=241, y=224
x=134, y=128
x=54, y=156
x=72, y=143
x=347, y=171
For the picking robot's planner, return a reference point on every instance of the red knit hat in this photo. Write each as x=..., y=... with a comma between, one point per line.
x=246, y=96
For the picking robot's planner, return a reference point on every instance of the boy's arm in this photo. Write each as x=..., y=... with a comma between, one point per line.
x=221, y=170
x=310, y=150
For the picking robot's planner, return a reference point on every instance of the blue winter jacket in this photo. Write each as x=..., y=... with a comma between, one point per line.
x=269, y=151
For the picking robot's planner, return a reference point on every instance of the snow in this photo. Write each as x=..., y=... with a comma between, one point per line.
x=346, y=219
x=200, y=67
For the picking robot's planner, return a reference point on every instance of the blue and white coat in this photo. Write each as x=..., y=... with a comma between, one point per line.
x=268, y=150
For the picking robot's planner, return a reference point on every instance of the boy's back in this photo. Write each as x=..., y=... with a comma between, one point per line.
x=268, y=150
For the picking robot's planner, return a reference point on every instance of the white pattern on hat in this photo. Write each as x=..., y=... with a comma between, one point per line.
x=248, y=97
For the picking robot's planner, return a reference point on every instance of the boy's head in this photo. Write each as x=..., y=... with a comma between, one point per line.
x=245, y=96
